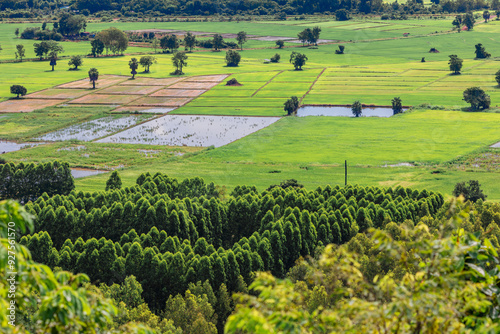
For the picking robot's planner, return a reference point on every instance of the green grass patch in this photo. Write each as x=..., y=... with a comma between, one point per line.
x=23, y=126
x=421, y=136
x=98, y=155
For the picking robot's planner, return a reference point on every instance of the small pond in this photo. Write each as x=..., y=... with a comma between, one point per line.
x=9, y=146
x=342, y=111
x=83, y=172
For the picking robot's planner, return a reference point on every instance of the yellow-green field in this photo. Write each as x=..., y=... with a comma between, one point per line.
x=378, y=65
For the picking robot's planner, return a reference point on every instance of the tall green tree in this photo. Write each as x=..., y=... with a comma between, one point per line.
x=146, y=62
x=469, y=21
x=241, y=38
x=481, y=52
x=20, y=52
x=179, y=59
x=298, y=60
x=97, y=47
x=455, y=64
x=114, y=40
x=114, y=182
x=189, y=41
x=291, y=105
x=357, y=109
x=397, y=106
x=75, y=61
x=217, y=42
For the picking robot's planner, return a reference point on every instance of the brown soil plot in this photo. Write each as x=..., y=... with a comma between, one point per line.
x=26, y=105
x=179, y=92
x=151, y=82
x=194, y=85
x=129, y=90
x=104, y=99
x=161, y=102
x=104, y=81
x=58, y=94
x=208, y=78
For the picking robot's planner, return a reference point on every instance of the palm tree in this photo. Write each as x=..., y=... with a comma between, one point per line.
x=93, y=76
x=133, y=64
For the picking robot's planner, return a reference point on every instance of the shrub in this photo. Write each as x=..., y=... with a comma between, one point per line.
x=477, y=98
x=471, y=191
x=232, y=58
x=357, y=109
x=18, y=89
x=276, y=58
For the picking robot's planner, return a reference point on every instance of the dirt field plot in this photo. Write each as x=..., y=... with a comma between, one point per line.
x=129, y=90
x=207, y=78
x=151, y=82
x=179, y=92
x=104, y=99
x=104, y=81
x=160, y=102
x=26, y=105
x=143, y=110
x=194, y=85
x=63, y=94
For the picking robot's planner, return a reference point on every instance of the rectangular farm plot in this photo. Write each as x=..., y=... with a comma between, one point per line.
x=141, y=110
x=304, y=75
x=129, y=90
x=154, y=101
x=245, y=85
x=251, y=77
x=151, y=82
x=208, y=78
x=104, y=81
x=27, y=105
x=178, y=92
x=187, y=130
x=104, y=99
x=58, y=94
x=229, y=93
x=221, y=102
x=194, y=85
x=94, y=129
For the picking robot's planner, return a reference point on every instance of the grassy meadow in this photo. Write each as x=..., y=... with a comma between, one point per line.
x=378, y=64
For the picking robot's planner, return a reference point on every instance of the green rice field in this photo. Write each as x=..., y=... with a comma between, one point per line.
x=378, y=65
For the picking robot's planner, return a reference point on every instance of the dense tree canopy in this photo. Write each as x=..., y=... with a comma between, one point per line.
x=29, y=181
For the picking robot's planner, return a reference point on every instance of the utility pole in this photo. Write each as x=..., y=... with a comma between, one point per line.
x=345, y=167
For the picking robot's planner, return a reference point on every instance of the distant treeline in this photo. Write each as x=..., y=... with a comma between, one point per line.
x=169, y=234
x=280, y=8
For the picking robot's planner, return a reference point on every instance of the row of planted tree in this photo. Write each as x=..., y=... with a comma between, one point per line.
x=170, y=253
x=168, y=237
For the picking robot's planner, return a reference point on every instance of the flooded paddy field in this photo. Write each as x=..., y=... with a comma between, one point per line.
x=340, y=111
x=94, y=129
x=10, y=146
x=186, y=130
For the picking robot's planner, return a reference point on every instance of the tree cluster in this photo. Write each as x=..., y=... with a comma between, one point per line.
x=27, y=182
x=112, y=39
x=309, y=36
x=388, y=281
x=171, y=235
